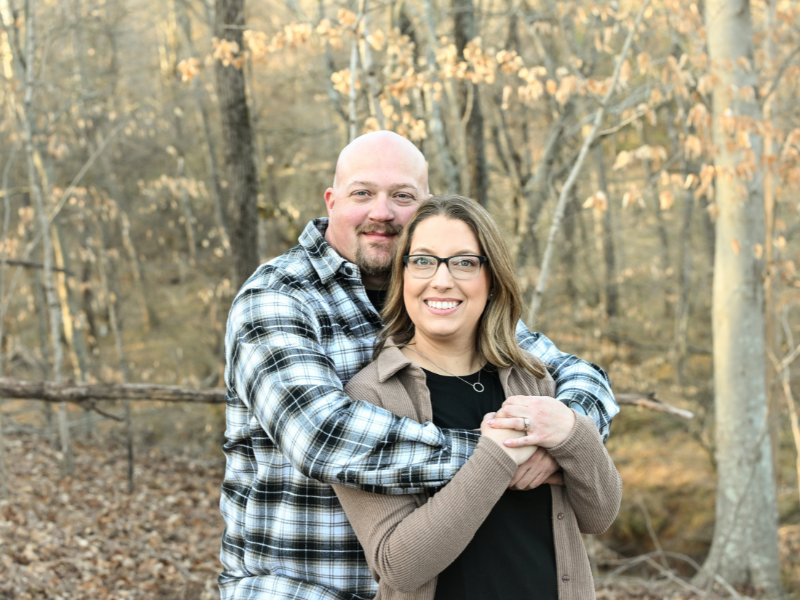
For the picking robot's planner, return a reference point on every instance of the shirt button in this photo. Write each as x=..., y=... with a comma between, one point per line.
x=565, y=578
x=348, y=271
x=560, y=516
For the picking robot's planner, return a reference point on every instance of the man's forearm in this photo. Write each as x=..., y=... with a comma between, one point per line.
x=581, y=385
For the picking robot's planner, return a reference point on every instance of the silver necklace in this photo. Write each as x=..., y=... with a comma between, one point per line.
x=477, y=386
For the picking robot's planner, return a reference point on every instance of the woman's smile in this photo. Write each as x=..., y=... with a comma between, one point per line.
x=439, y=306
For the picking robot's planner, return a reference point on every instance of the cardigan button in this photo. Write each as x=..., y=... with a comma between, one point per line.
x=560, y=516
x=565, y=578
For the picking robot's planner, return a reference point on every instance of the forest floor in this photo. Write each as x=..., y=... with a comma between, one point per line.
x=85, y=537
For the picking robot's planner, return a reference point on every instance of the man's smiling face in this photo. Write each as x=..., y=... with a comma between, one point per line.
x=380, y=180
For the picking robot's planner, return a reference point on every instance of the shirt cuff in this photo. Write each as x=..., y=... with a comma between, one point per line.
x=574, y=405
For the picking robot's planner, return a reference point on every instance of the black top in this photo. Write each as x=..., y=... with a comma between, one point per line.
x=378, y=298
x=512, y=555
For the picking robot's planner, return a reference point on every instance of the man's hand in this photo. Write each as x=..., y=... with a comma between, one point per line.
x=549, y=421
x=538, y=469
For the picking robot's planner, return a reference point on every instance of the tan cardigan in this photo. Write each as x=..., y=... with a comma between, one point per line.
x=410, y=539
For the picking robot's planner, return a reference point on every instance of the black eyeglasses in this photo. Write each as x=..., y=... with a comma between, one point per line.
x=462, y=266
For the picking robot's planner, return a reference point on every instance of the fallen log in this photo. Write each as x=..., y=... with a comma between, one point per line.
x=92, y=392
x=48, y=391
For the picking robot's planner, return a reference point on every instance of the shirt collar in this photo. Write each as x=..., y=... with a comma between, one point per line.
x=325, y=260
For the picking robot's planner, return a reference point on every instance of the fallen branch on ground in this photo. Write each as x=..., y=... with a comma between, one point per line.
x=92, y=392
x=83, y=392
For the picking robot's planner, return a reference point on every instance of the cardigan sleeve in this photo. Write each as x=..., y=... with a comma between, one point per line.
x=408, y=545
x=591, y=480
x=409, y=540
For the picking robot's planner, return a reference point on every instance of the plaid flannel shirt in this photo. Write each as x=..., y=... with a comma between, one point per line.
x=298, y=330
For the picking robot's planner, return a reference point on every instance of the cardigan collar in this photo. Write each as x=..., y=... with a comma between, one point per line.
x=391, y=361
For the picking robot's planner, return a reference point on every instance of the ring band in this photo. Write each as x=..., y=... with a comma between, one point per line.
x=527, y=424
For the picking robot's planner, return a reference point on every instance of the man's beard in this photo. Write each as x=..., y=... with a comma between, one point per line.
x=377, y=263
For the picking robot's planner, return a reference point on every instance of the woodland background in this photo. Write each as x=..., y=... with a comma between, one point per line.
x=152, y=154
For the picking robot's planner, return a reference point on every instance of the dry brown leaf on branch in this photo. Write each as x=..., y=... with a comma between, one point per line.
x=597, y=202
x=644, y=62
x=258, y=43
x=346, y=17
x=693, y=147
x=728, y=121
x=623, y=160
x=224, y=51
x=666, y=199
x=633, y=196
x=189, y=68
x=371, y=124
x=377, y=39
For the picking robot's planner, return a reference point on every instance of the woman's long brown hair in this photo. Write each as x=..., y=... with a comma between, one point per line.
x=496, y=340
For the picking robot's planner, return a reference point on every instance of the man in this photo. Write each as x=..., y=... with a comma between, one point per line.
x=298, y=330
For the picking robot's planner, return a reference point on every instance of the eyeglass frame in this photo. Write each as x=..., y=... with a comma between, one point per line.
x=440, y=260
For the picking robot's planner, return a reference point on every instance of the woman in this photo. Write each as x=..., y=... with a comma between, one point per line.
x=448, y=354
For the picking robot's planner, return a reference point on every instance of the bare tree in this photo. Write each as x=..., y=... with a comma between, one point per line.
x=470, y=104
x=745, y=544
x=237, y=138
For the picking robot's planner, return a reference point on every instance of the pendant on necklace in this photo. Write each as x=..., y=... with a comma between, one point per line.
x=478, y=387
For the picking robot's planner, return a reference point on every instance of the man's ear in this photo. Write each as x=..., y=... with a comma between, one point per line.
x=329, y=199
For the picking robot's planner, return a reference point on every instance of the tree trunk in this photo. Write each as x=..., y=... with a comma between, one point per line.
x=470, y=104
x=188, y=214
x=745, y=544
x=53, y=308
x=370, y=69
x=433, y=106
x=571, y=215
x=211, y=152
x=611, y=287
x=73, y=331
x=103, y=269
x=661, y=227
x=237, y=141
x=771, y=291
x=682, y=305
x=6, y=224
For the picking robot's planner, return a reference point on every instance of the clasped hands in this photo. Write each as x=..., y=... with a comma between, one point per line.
x=549, y=424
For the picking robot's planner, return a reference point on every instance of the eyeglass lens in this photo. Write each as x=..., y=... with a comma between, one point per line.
x=461, y=267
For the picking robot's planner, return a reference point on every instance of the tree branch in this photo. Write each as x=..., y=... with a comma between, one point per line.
x=33, y=265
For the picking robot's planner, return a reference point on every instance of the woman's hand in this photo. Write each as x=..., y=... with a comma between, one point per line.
x=519, y=454
x=550, y=421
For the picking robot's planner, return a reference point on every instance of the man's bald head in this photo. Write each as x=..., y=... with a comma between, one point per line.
x=382, y=145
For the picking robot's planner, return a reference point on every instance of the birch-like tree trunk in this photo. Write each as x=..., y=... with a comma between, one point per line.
x=237, y=138
x=745, y=544
x=53, y=308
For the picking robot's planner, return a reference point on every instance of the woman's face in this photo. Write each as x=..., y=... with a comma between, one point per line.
x=443, y=308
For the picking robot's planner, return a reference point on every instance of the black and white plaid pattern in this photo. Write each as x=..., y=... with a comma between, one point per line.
x=298, y=330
